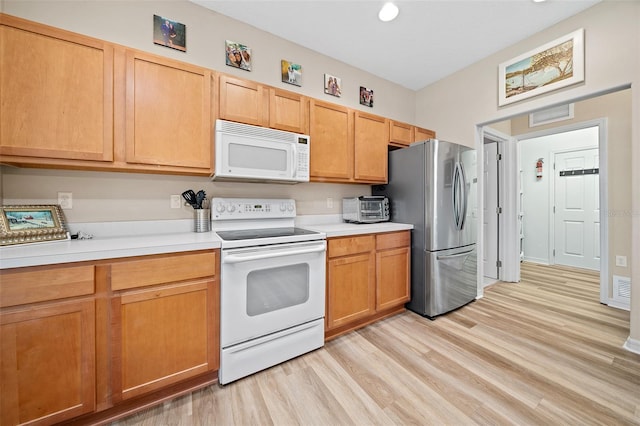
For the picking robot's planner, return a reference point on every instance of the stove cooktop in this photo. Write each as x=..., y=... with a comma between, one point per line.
x=250, y=234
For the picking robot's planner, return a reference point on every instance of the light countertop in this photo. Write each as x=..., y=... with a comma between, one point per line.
x=346, y=229
x=126, y=239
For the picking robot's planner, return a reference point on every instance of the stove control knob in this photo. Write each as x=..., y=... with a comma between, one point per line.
x=220, y=208
x=231, y=208
x=283, y=207
x=290, y=207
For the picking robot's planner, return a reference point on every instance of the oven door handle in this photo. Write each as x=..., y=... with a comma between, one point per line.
x=237, y=258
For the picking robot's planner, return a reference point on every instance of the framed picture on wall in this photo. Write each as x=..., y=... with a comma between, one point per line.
x=291, y=73
x=366, y=97
x=31, y=224
x=169, y=33
x=238, y=55
x=332, y=85
x=557, y=64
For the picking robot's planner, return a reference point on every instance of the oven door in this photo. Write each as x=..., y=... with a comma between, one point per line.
x=270, y=288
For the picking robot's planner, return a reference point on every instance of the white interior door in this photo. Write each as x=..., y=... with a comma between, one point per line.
x=490, y=215
x=577, y=209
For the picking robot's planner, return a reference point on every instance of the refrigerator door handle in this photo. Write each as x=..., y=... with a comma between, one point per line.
x=463, y=190
x=453, y=256
x=458, y=196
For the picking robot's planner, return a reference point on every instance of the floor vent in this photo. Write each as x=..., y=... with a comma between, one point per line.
x=621, y=289
x=551, y=115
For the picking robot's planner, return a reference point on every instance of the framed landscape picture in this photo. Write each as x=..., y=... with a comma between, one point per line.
x=557, y=64
x=31, y=224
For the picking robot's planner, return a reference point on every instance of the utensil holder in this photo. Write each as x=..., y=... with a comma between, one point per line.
x=202, y=220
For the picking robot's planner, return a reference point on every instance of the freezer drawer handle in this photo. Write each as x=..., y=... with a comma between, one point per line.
x=452, y=256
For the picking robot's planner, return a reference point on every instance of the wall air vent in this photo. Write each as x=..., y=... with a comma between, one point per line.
x=551, y=115
x=621, y=291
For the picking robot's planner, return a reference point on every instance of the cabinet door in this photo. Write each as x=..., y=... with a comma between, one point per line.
x=370, y=148
x=169, y=120
x=331, y=131
x=400, y=134
x=393, y=269
x=57, y=94
x=288, y=111
x=350, y=289
x=243, y=101
x=47, y=369
x=393, y=277
x=163, y=335
x=421, y=134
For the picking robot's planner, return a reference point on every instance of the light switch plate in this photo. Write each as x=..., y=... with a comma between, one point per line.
x=175, y=202
x=621, y=261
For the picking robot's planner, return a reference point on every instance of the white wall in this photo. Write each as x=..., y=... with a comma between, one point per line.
x=456, y=104
x=536, y=200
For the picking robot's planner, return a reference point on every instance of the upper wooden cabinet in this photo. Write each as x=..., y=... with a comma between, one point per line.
x=331, y=131
x=421, y=134
x=371, y=136
x=260, y=105
x=288, y=111
x=243, y=101
x=400, y=134
x=403, y=134
x=347, y=145
x=168, y=113
x=57, y=93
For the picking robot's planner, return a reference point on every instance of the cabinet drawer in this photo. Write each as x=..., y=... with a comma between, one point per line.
x=393, y=240
x=351, y=245
x=162, y=269
x=40, y=284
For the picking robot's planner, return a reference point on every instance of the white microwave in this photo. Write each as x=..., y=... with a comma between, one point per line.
x=258, y=154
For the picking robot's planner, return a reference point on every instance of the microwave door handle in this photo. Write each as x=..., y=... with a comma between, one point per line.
x=238, y=258
x=294, y=161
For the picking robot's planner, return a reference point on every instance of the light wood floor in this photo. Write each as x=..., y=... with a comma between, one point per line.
x=540, y=352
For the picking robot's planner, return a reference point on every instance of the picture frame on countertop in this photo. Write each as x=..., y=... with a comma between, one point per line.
x=237, y=55
x=366, y=97
x=554, y=65
x=169, y=33
x=291, y=73
x=22, y=224
x=332, y=85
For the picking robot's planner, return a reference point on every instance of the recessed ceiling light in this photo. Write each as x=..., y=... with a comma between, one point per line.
x=538, y=1
x=388, y=12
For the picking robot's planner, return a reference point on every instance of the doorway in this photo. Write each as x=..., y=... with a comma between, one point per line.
x=515, y=195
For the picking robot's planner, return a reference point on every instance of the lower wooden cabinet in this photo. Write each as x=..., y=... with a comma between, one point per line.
x=79, y=340
x=368, y=278
x=47, y=372
x=351, y=282
x=163, y=335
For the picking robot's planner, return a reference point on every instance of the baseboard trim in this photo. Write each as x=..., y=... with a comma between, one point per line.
x=632, y=345
x=619, y=305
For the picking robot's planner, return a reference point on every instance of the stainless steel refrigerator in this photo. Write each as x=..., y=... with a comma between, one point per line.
x=432, y=185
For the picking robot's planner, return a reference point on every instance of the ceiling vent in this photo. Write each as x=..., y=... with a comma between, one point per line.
x=551, y=115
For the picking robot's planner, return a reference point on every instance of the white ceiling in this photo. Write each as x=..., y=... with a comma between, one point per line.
x=429, y=39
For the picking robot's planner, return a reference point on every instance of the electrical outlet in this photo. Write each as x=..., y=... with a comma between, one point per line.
x=175, y=202
x=329, y=203
x=621, y=261
x=65, y=199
